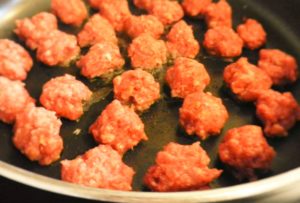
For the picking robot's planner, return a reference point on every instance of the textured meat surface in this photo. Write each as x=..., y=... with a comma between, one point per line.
x=195, y=7
x=218, y=14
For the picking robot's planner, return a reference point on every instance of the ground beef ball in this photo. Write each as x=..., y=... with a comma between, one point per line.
x=246, y=80
x=147, y=53
x=137, y=88
x=15, y=61
x=245, y=149
x=33, y=30
x=223, y=42
x=186, y=76
x=143, y=4
x=100, y=167
x=118, y=126
x=91, y=35
x=278, y=112
x=252, y=33
x=71, y=12
x=281, y=67
x=97, y=4
x=65, y=95
x=202, y=114
x=218, y=14
x=137, y=25
x=195, y=7
x=36, y=134
x=13, y=99
x=101, y=59
x=180, y=168
x=181, y=41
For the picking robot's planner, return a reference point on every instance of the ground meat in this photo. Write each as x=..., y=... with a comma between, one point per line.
x=13, y=99
x=137, y=88
x=186, y=76
x=202, y=114
x=180, y=168
x=246, y=80
x=181, y=41
x=90, y=34
x=118, y=126
x=223, y=42
x=65, y=95
x=71, y=12
x=97, y=4
x=281, y=67
x=101, y=59
x=143, y=4
x=218, y=14
x=36, y=134
x=147, y=53
x=58, y=48
x=15, y=61
x=245, y=149
x=252, y=33
x=33, y=30
x=278, y=112
x=195, y=7
x=137, y=25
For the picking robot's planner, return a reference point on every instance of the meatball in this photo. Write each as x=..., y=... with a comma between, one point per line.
x=97, y=4
x=218, y=14
x=280, y=66
x=143, y=4
x=223, y=42
x=181, y=41
x=58, y=48
x=91, y=34
x=180, y=168
x=147, y=53
x=137, y=25
x=195, y=7
x=13, y=99
x=246, y=80
x=36, y=134
x=202, y=114
x=137, y=88
x=278, y=112
x=118, y=126
x=186, y=76
x=245, y=149
x=65, y=95
x=100, y=167
x=15, y=61
x=102, y=58
x=252, y=33
x=71, y=12
x=33, y=30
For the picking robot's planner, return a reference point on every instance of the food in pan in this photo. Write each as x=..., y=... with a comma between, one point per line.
x=195, y=7
x=143, y=4
x=218, y=14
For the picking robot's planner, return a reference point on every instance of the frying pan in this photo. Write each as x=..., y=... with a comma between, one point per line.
x=281, y=21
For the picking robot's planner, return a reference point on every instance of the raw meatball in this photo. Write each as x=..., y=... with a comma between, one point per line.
x=137, y=88
x=65, y=95
x=278, y=112
x=195, y=7
x=281, y=67
x=36, y=135
x=71, y=12
x=147, y=53
x=58, y=48
x=246, y=80
x=15, y=61
x=100, y=167
x=102, y=58
x=118, y=126
x=202, y=114
x=33, y=30
x=245, y=149
x=223, y=42
x=91, y=34
x=252, y=33
x=181, y=41
x=186, y=76
x=143, y=4
x=180, y=168
x=13, y=99
x=218, y=14
x=137, y=25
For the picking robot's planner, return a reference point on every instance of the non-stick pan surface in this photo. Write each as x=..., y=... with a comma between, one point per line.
x=281, y=21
